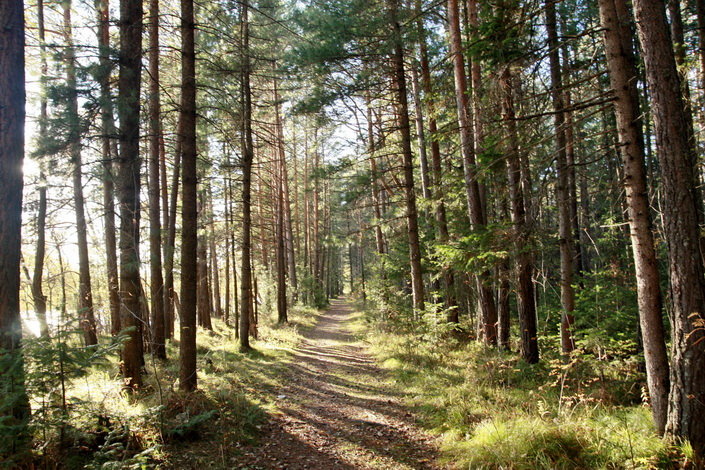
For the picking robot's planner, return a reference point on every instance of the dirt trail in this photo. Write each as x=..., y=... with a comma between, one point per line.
x=336, y=412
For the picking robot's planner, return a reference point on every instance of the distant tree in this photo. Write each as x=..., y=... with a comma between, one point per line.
x=109, y=155
x=565, y=229
x=40, y=300
x=85, y=291
x=155, y=227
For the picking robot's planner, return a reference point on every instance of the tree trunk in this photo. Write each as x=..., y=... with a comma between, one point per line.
x=687, y=286
x=85, y=293
x=158, y=347
x=108, y=156
x=228, y=248
x=526, y=302
x=288, y=227
x=188, y=379
x=231, y=235
x=129, y=186
x=40, y=300
x=623, y=79
x=420, y=133
x=12, y=118
x=280, y=236
x=169, y=293
x=436, y=169
x=402, y=110
x=565, y=227
x=204, y=291
x=246, y=162
x=476, y=208
x=215, y=278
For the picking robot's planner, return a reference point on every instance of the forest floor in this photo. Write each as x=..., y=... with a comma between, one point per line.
x=335, y=409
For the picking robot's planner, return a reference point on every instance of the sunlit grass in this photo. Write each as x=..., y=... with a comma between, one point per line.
x=494, y=411
x=235, y=393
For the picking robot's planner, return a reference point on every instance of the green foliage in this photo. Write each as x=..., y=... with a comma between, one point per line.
x=188, y=429
x=480, y=251
x=495, y=411
x=13, y=409
x=606, y=304
x=313, y=292
x=82, y=418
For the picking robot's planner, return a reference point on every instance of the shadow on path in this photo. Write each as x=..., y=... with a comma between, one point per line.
x=336, y=412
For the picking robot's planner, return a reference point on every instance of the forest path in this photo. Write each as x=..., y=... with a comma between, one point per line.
x=336, y=412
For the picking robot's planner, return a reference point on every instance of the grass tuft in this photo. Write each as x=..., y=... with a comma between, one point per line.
x=160, y=426
x=493, y=411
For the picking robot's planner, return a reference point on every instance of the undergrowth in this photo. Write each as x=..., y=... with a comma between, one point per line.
x=494, y=411
x=97, y=425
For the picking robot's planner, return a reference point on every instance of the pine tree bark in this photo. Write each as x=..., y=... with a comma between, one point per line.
x=108, y=156
x=247, y=158
x=526, y=301
x=476, y=209
x=687, y=285
x=623, y=78
x=280, y=234
x=288, y=226
x=129, y=186
x=205, y=307
x=436, y=168
x=12, y=118
x=40, y=300
x=188, y=379
x=169, y=292
x=402, y=111
x=158, y=347
x=565, y=228
x=85, y=292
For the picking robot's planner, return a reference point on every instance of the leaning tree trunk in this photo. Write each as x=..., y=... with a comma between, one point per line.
x=85, y=292
x=129, y=186
x=687, y=287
